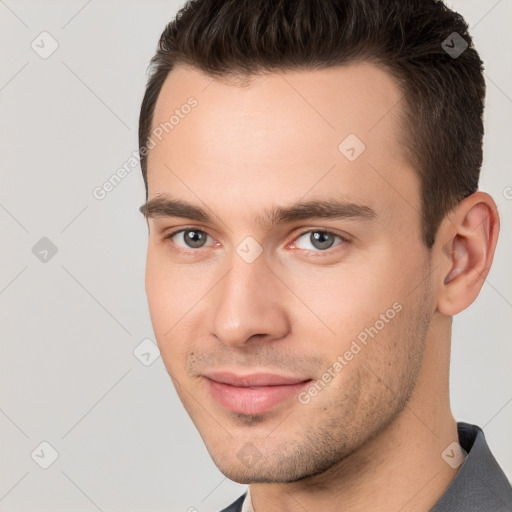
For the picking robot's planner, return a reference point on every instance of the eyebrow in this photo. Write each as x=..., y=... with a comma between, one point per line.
x=164, y=206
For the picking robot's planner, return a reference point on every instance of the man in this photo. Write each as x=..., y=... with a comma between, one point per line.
x=311, y=169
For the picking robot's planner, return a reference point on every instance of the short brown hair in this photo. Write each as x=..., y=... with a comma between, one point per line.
x=443, y=93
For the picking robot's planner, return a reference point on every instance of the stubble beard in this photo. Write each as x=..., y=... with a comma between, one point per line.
x=372, y=398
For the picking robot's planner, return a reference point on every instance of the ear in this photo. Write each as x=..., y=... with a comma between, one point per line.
x=465, y=247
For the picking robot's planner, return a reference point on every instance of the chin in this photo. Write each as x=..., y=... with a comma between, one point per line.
x=265, y=476
x=264, y=471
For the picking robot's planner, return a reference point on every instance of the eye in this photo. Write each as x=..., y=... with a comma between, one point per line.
x=318, y=240
x=189, y=238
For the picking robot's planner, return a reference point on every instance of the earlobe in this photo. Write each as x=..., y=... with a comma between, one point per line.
x=469, y=239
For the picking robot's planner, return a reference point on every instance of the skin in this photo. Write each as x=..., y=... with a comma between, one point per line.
x=372, y=438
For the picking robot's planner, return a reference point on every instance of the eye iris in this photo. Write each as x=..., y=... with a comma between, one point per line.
x=321, y=240
x=194, y=239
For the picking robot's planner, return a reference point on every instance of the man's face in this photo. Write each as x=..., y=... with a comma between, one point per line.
x=253, y=312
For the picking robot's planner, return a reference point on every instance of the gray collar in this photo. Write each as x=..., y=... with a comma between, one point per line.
x=480, y=484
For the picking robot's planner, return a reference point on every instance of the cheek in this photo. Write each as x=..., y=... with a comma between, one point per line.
x=346, y=298
x=346, y=302
x=171, y=290
x=168, y=305
x=158, y=292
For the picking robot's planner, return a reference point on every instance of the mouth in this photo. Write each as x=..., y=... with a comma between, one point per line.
x=252, y=394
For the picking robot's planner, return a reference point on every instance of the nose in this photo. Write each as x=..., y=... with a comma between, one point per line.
x=249, y=305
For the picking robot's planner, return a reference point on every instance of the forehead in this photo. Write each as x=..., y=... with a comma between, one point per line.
x=280, y=134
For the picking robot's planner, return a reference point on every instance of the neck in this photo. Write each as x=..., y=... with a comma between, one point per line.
x=401, y=469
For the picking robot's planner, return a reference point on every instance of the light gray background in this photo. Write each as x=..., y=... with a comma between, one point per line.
x=69, y=326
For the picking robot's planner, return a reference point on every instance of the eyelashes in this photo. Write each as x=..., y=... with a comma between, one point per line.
x=325, y=245
x=320, y=240
x=198, y=236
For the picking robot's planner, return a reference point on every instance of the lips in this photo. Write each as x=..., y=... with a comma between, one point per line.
x=255, y=393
